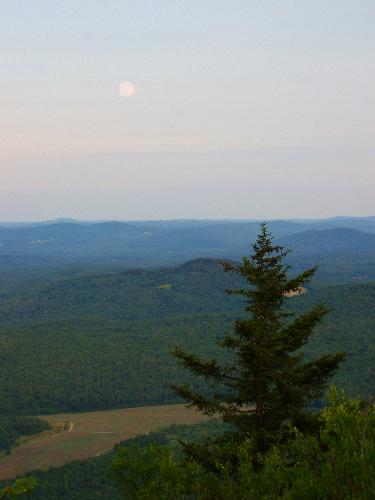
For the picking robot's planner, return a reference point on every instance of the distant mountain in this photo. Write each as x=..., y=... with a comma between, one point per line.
x=366, y=224
x=337, y=240
x=150, y=243
x=37, y=223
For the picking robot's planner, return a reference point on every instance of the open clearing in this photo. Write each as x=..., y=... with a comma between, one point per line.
x=90, y=434
x=295, y=293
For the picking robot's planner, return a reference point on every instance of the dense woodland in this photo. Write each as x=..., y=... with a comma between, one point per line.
x=277, y=447
x=336, y=462
x=91, y=337
x=11, y=428
x=104, y=340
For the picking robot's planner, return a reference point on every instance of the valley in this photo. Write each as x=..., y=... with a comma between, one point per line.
x=90, y=434
x=88, y=345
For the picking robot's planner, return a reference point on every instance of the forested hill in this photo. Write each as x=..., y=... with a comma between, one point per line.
x=140, y=294
x=195, y=287
x=337, y=240
x=148, y=243
x=103, y=340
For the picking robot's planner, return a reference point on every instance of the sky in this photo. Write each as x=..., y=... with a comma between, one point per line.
x=241, y=109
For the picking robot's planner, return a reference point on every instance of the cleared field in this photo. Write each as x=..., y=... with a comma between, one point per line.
x=90, y=434
x=295, y=293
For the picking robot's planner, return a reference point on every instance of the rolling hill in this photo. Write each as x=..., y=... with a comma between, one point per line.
x=164, y=243
x=329, y=241
x=103, y=340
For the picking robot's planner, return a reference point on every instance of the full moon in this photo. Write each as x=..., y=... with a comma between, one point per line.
x=126, y=89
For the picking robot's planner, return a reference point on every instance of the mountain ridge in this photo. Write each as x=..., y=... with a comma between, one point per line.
x=154, y=244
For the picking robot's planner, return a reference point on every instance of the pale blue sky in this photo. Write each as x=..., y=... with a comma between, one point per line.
x=242, y=109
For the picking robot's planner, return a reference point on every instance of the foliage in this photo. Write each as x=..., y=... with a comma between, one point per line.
x=92, y=479
x=268, y=384
x=103, y=340
x=337, y=463
x=95, y=337
x=22, y=486
x=13, y=427
x=79, y=480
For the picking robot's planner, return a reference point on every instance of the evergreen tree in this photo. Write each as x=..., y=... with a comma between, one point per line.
x=269, y=384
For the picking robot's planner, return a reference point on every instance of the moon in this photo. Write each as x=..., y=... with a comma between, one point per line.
x=126, y=89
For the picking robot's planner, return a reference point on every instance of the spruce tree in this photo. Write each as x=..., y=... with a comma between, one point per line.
x=269, y=384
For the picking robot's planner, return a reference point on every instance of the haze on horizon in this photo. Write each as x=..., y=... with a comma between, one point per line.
x=239, y=109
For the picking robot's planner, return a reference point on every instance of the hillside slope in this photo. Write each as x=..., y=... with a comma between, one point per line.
x=158, y=243
x=329, y=241
x=104, y=341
